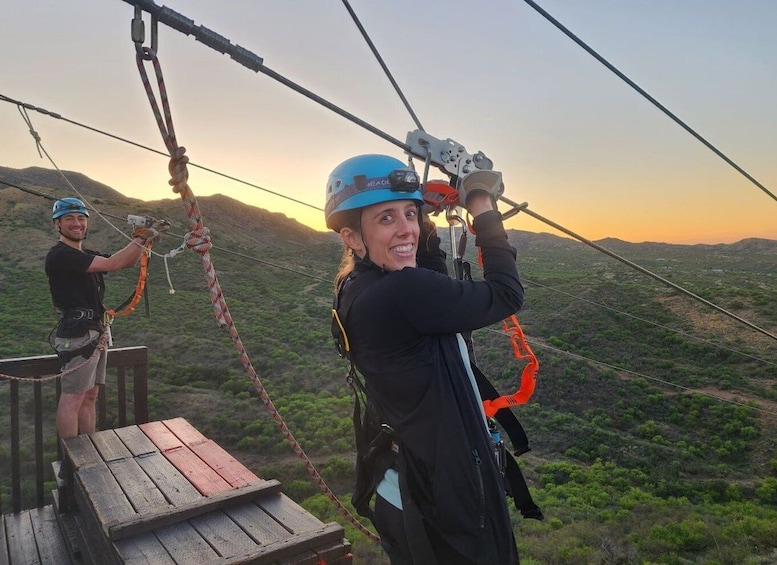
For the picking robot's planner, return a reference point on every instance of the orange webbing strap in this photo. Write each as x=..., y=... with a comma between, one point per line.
x=522, y=351
x=127, y=309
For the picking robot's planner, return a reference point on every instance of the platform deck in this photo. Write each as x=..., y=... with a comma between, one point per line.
x=161, y=493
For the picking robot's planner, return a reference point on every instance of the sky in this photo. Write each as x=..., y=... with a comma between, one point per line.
x=572, y=139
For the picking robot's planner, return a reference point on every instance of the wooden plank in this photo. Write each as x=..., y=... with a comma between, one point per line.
x=262, y=527
x=293, y=517
x=196, y=471
x=3, y=544
x=48, y=536
x=345, y=559
x=67, y=525
x=136, y=441
x=110, y=446
x=174, y=486
x=305, y=558
x=183, y=430
x=185, y=545
x=21, y=539
x=80, y=451
x=340, y=553
x=161, y=436
x=296, y=545
x=102, y=493
x=139, y=489
x=229, y=468
x=223, y=534
x=94, y=547
x=143, y=549
x=124, y=527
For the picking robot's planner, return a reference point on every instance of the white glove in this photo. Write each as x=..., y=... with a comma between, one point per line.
x=154, y=233
x=487, y=181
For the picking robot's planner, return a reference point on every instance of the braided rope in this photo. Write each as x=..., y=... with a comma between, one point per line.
x=198, y=239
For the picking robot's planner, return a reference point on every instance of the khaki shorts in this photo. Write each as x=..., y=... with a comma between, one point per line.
x=90, y=372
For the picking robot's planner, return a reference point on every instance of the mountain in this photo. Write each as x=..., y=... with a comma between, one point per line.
x=652, y=426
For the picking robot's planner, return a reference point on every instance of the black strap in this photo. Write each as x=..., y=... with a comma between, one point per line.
x=84, y=351
x=355, y=283
x=516, y=483
x=520, y=490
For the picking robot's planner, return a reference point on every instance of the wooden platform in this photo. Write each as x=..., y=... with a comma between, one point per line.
x=163, y=494
x=33, y=536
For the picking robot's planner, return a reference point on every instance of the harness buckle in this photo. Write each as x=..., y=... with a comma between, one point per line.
x=77, y=314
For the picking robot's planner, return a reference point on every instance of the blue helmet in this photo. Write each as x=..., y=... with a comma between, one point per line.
x=68, y=206
x=365, y=180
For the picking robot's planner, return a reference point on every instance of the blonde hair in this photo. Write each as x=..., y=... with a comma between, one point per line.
x=347, y=264
x=347, y=219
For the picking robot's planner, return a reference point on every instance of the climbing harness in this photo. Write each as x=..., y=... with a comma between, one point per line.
x=375, y=442
x=376, y=445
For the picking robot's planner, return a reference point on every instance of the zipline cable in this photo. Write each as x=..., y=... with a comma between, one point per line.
x=382, y=64
x=525, y=209
x=57, y=116
x=643, y=320
x=648, y=97
x=642, y=375
x=250, y=60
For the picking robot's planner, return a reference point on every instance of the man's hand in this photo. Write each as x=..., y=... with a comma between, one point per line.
x=154, y=232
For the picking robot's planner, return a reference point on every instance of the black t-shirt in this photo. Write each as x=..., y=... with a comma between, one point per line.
x=70, y=285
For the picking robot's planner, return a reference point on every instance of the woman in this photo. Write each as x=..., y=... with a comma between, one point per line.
x=443, y=501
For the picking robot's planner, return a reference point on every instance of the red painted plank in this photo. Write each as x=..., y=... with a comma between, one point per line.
x=187, y=433
x=198, y=473
x=204, y=463
x=232, y=470
x=161, y=436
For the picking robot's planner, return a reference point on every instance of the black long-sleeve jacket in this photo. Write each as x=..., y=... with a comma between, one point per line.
x=402, y=329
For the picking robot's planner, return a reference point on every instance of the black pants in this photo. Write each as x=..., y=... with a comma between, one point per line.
x=390, y=523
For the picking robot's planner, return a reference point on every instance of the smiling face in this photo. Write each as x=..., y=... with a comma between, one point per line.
x=389, y=231
x=72, y=228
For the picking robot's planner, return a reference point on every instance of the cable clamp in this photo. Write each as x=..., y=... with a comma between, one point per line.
x=446, y=154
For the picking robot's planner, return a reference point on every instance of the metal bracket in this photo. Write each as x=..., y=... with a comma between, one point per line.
x=446, y=154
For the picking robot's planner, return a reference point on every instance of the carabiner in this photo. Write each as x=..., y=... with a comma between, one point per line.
x=138, y=33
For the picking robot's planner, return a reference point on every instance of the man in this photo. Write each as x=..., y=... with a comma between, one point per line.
x=75, y=278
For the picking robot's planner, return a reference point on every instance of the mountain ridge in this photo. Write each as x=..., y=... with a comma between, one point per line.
x=219, y=204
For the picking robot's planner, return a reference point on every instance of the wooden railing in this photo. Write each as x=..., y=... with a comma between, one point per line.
x=36, y=373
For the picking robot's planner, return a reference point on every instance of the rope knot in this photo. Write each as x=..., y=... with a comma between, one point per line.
x=178, y=170
x=199, y=240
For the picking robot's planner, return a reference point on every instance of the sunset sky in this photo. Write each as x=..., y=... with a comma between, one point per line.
x=575, y=141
